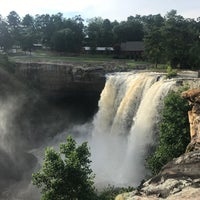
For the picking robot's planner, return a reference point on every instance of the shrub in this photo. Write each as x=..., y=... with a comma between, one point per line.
x=171, y=72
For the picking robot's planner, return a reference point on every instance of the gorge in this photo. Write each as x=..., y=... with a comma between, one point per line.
x=120, y=134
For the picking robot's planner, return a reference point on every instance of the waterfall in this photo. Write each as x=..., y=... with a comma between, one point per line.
x=124, y=127
x=120, y=135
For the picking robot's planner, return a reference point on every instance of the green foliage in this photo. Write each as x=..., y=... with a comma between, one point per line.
x=66, y=175
x=171, y=72
x=64, y=41
x=14, y=28
x=172, y=38
x=28, y=33
x=6, y=40
x=68, y=36
x=130, y=30
x=174, y=131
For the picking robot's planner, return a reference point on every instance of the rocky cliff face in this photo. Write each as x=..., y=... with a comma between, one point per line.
x=58, y=79
x=180, y=178
x=193, y=96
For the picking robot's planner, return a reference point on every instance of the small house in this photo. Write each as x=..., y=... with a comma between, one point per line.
x=132, y=49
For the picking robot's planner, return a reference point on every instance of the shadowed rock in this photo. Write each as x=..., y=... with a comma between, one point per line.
x=68, y=79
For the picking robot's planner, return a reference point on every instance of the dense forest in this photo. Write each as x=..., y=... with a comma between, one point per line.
x=171, y=39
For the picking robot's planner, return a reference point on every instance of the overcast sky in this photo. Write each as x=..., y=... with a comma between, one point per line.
x=111, y=9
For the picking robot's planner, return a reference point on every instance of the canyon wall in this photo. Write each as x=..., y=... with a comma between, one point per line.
x=57, y=79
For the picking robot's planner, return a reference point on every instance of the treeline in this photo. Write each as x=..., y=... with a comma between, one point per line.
x=170, y=39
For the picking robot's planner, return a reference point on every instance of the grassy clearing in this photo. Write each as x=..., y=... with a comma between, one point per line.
x=59, y=57
x=48, y=56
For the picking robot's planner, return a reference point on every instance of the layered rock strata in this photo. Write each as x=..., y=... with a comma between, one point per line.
x=193, y=96
x=57, y=79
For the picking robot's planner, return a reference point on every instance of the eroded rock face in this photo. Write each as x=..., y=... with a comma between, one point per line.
x=179, y=179
x=57, y=79
x=193, y=96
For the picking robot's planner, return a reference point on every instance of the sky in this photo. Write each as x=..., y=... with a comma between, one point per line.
x=111, y=9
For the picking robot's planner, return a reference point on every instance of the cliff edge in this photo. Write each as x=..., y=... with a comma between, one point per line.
x=62, y=79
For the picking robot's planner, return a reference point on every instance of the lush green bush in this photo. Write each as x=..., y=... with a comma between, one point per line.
x=171, y=72
x=174, y=131
x=66, y=175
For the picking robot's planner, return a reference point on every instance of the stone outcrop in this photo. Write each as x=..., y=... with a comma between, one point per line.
x=193, y=96
x=69, y=79
x=180, y=178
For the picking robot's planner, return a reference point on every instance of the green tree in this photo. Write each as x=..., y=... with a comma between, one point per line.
x=174, y=131
x=107, y=33
x=94, y=32
x=28, y=21
x=63, y=40
x=194, y=55
x=6, y=40
x=77, y=26
x=66, y=175
x=178, y=34
x=172, y=39
x=130, y=30
x=44, y=32
x=28, y=33
x=27, y=40
x=153, y=38
x=14, y=21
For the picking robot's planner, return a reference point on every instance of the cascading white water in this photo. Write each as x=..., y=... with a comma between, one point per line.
x=124, y=126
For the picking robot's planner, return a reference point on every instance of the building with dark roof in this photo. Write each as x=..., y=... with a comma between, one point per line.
x=132, y=49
